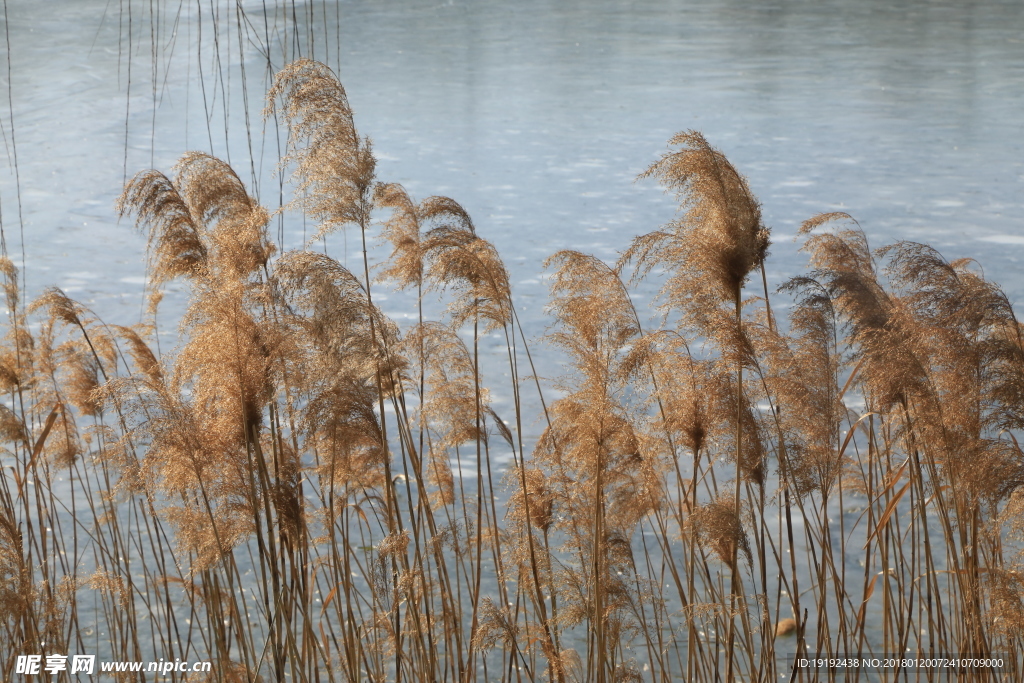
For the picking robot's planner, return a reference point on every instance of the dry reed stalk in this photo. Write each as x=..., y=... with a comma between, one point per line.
x=285, y=479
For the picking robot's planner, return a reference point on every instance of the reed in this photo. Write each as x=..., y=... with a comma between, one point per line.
x=307, y=490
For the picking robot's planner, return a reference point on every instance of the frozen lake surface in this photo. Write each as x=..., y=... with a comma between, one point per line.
x=536, y=116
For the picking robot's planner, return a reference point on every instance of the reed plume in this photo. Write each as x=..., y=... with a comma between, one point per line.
x=334, y=167
x=801, y=373
x=716, y=526
x=709, y=252
x=718, y=240
x=448, y=407
x=404, y=231
x=456, y=257
x=605, y=472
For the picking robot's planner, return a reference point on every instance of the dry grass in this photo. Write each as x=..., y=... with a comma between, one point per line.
x=305, y=490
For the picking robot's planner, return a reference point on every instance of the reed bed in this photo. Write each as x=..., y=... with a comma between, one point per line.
x=306, y=490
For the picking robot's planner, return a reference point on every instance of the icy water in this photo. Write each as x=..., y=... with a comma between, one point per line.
x=536, y=116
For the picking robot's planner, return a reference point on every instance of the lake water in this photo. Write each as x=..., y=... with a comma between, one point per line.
x=536, y=116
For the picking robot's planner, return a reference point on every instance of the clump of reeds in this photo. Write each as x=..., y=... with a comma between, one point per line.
x=307, y=490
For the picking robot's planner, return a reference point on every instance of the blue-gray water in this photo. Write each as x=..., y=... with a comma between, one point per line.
x=536, y=116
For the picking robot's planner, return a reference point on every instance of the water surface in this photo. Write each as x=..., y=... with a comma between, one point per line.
x=537, y=116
